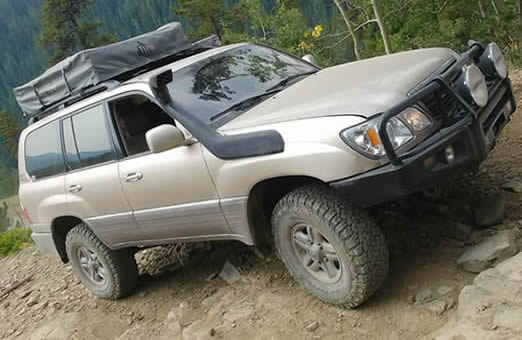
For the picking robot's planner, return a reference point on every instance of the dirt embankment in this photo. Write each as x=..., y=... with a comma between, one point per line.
x=191, y=302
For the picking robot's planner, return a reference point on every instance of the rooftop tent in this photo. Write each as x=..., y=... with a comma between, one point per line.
x=89, y=68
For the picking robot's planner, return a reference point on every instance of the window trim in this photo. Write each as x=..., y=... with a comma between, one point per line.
x=103, y=105
x=32, y=178
x=67, y=166
x=115, y=129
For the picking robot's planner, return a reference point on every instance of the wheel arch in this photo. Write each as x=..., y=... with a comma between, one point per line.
x=60, y=227
x=262, y=199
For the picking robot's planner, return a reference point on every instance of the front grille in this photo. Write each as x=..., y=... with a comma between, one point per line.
x=440, y=104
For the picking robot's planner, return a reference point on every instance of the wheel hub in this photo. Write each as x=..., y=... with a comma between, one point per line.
x=91, y=266
x=316, y=253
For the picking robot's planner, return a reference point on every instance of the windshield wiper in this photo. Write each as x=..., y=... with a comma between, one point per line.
x=285, y=81
x=245, y=104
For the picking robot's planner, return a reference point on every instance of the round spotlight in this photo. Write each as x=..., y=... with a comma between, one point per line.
x=472, y=85
x=493, y=62
x=449, y=153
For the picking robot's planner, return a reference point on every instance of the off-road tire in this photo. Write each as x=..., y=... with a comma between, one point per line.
x=120, y=265
x=351, y=231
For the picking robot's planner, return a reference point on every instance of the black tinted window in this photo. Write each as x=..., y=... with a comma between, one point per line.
x=43, y=152
x=92, y=137
x=71, y=152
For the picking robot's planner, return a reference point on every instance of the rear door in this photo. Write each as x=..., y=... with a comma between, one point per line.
x=94, y=191
x=42, y=180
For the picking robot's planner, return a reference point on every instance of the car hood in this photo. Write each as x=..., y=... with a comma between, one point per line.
x=363, y=88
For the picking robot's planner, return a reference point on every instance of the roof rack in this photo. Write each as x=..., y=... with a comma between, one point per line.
x=98, y=69
x=73, y=98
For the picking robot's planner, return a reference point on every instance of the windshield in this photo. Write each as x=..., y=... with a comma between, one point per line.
x=211, y=86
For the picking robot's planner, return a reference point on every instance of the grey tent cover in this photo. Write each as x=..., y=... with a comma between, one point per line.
x=91, y=67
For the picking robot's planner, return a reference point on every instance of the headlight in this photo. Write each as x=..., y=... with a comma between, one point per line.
x=493, y=63
x=416, y=119
x=472, y=85
x=365, y=139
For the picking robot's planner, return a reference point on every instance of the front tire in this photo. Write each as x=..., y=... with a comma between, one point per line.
x=334, y=250
x=108, y=274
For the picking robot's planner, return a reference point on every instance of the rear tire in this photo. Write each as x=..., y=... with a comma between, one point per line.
x=108, y=274
x=334, y=250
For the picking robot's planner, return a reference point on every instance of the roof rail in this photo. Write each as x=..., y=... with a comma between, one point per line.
x=72, y=99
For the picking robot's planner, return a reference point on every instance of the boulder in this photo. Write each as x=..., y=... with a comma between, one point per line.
x=491, y=307
x=513, y=186
x=423, y=296
x=509, y=317
x=488, y=210
x=458, y=231
x=198, y=330
x=229, y=273
x=444, y=290
x=436, y=306
x=489, y=252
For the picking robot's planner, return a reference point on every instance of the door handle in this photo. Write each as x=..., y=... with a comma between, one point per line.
x=133, y=177
x=75, y=188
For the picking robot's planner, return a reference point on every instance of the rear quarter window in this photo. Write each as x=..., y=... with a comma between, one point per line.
x=43, y=152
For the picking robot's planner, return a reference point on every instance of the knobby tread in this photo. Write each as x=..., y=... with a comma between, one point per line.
x=121, y=264
x=357, y=232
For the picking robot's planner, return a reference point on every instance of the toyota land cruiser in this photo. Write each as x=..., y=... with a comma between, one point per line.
x=203, y=143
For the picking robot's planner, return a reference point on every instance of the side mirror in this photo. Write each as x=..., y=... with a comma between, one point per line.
x=310, y=59
x=164, y=137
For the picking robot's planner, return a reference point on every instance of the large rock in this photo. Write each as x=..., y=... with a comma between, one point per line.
x=457, y=231
x=488, y=210
x=230, y=274
x=199, y=330
x=489, y=252
x=513, y=186
x=490, y=308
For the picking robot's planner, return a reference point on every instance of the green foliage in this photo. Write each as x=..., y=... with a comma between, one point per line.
x=282, y=25
x=8, y=182
x=14, y=240
x=208, y=16
x=420, y=24
x=65, y=29
x=9, y=133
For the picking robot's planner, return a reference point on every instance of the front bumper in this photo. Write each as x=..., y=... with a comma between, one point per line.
x=425, y=166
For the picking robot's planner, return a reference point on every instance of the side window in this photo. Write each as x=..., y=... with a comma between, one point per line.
x=71, y=150
x=92, y=137
x=133, y=117
x=43, y=152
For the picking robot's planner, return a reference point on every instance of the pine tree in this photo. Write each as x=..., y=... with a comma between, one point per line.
x=9, y=133
x=65, y=29
x=206, y=15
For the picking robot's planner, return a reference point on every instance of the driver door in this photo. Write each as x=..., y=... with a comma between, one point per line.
x=171, y=193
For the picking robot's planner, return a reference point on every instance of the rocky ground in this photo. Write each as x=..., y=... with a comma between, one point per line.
x=438, y=244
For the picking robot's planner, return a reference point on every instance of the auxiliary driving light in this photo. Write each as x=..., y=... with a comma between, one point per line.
x=472, y=85
x=493, y=63
x=449, y=153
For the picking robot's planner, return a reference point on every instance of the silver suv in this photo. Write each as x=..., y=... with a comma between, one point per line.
x=244, y=141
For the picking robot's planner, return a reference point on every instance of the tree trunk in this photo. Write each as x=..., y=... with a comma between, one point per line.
x=216, y=28
x=350, y=29
x=481, y=8
x=382, y=27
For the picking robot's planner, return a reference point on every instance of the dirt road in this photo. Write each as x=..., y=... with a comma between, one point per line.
x=193, y=303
